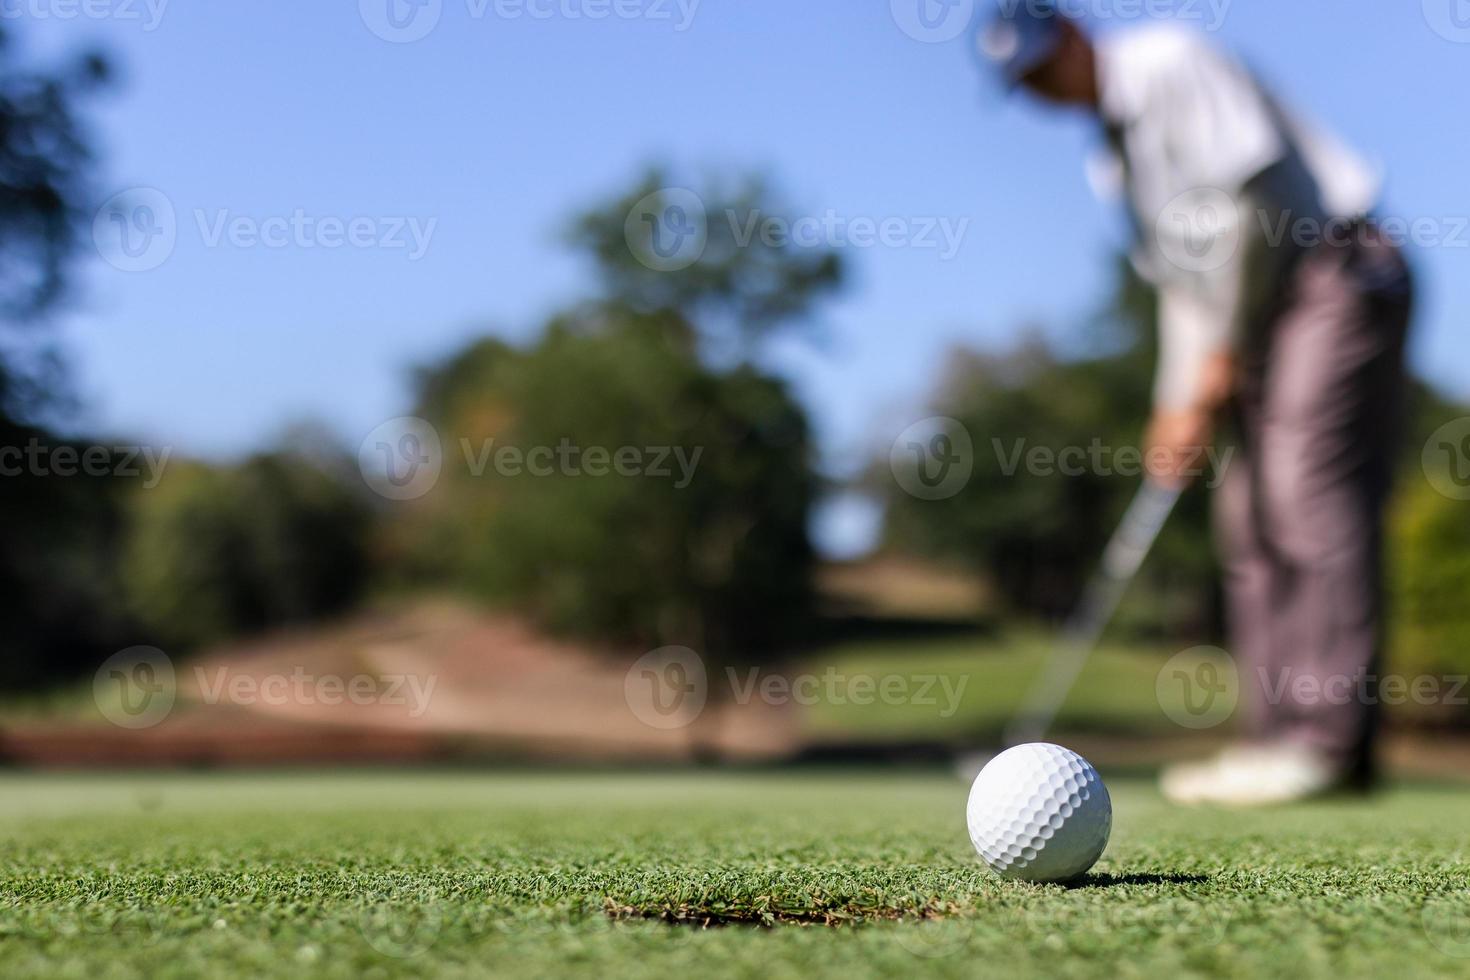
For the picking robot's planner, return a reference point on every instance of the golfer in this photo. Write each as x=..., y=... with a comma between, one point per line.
x=1283, y=310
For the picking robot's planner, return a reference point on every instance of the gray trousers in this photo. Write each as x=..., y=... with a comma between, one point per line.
x=1299, y=516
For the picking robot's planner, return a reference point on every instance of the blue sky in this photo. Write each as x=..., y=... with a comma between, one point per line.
x=504, y=119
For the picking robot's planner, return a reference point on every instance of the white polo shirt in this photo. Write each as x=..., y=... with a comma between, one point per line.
x=1216, y=175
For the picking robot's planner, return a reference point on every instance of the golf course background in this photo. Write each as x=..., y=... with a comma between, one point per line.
x=632, y=474
x=547, y=673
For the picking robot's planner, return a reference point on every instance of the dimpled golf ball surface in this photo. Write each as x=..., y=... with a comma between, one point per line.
x=1039, y=812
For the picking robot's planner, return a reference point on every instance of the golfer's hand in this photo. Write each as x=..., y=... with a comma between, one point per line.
x=1177, y=446
x=1178, y=442
x=1217, y=382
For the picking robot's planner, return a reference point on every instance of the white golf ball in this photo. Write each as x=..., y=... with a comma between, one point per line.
x=1039, y=812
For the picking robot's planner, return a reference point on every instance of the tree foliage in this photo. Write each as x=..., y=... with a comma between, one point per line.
x=217, y=551
x=46, y=164
x=701, y=540
x=743, y=287
x=710, y=551
x=58, y=589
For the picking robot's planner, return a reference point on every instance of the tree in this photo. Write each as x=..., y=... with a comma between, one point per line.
x=706, y=544
x=743, y=286
x=701, y=540
x=58, y=593
x=46, y=166
x=216, y=551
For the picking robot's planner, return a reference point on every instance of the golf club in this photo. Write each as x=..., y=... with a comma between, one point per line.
x=1125, y=553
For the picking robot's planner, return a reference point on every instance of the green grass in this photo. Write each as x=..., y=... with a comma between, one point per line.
x=857, y=874
x=1116, y=693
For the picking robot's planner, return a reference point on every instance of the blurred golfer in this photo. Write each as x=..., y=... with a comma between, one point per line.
x=1283, y=308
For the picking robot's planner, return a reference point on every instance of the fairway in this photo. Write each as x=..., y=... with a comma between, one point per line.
x=771, y=875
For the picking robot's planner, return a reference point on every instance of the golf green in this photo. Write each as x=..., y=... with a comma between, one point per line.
x=699, y=873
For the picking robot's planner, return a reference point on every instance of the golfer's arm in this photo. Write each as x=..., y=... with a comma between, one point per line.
x=1202, y=319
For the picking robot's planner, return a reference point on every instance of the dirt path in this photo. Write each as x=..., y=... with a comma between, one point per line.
x=428, y=680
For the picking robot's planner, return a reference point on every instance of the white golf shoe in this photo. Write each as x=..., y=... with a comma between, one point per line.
x=1254, y=775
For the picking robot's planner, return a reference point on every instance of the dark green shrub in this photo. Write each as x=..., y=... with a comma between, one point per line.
x=218, y=551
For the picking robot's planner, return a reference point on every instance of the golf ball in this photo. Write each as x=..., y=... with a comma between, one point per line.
x=1039, y=812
